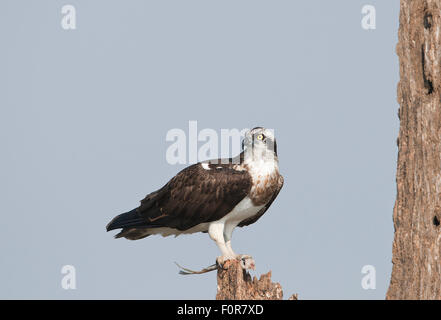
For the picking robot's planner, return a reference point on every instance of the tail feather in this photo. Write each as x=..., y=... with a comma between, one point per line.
x=126, y=220
x=133, y=233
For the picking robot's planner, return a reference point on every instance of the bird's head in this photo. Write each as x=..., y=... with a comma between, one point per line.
x=261, y=142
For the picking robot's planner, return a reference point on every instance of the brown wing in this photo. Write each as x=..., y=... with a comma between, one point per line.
x=256, y=217
x=194, y=196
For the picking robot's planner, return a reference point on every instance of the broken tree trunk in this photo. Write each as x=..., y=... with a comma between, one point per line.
x=234, y=283
x=416, y=272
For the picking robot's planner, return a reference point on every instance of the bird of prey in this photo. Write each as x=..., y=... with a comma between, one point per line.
x=213, y=196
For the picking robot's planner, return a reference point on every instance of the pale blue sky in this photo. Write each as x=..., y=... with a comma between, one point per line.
x=84, y=115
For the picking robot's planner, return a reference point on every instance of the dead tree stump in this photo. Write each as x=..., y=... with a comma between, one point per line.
x=234, y=283
x=416, y=272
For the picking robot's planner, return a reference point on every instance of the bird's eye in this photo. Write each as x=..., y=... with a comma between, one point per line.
x=260, y=137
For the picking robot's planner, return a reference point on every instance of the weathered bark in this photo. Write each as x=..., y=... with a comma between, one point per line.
x=234, y=283
x=416, y=270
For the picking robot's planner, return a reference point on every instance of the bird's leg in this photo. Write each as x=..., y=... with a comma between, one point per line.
x=216, y=232
x=246, y=261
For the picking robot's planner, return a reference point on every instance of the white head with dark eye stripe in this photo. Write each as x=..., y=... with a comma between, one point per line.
x=261, y=142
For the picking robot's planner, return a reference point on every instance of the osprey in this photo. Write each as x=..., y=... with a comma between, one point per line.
x=213, y=196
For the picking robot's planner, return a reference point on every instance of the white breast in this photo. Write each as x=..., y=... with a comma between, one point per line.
x=243, y=210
